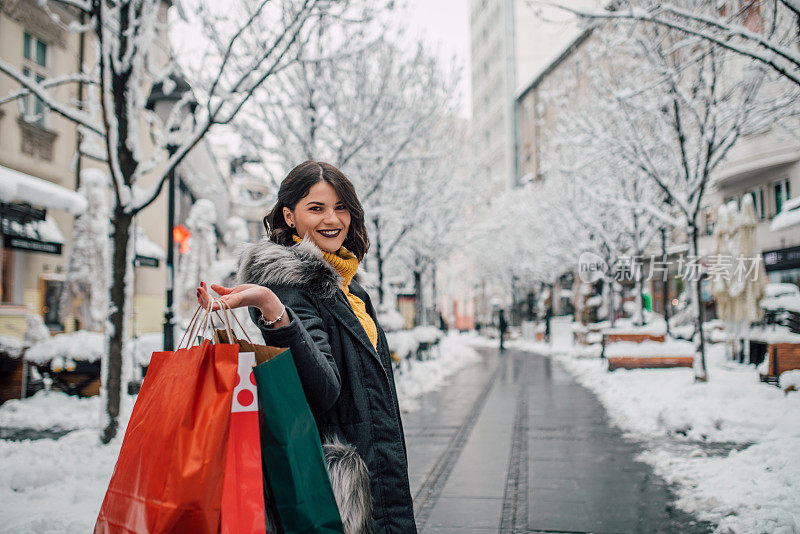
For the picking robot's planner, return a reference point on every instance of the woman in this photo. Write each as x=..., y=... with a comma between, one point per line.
x=300, y=287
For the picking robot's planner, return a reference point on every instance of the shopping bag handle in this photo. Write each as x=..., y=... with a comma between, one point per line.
x=195, y=323
x=225, y=307
x=226, y=323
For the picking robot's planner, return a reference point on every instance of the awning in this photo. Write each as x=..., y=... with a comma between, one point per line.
x=148, y=253
x=33, y=235
x=16, y=186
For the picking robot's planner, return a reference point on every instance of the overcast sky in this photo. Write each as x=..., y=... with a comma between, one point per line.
x=444, y=24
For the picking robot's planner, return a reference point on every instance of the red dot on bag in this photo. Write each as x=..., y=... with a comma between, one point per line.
x=245, y=397
x=236, y=382
x=252, y=378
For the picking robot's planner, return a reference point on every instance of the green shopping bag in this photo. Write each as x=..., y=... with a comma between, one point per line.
x=292, y=456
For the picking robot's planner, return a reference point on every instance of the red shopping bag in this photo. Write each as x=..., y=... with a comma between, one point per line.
x=170, y=471
x=243, y=510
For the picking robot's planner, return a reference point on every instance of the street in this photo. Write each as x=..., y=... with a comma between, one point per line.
x=514, y=444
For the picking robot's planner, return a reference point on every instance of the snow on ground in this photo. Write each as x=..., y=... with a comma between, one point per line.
x=54, y=486
x=57, y=485
x=418, y=377
x=730, y=445
x=51, y=410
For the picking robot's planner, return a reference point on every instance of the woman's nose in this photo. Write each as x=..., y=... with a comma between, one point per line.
x=330, y=217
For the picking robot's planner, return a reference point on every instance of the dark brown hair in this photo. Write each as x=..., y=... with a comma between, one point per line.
x=296, y=186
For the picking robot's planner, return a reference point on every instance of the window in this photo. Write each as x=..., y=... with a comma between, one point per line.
x=781, y=193
x=35, y=65
x=758, y=201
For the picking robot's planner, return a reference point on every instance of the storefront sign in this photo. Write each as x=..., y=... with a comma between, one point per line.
x=144, y=261
x=782, y=259
x=32, y=245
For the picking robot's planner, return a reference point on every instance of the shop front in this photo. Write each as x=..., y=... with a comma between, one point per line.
x=783, y=265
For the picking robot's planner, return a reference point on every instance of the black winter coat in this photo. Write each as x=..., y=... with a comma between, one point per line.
x=348, y=384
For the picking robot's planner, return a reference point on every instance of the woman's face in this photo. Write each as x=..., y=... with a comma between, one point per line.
x=322, y=216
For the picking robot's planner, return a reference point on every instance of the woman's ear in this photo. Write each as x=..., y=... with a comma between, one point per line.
x=288, y=216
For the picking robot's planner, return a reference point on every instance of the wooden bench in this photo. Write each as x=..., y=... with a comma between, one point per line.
x=649, y=362
x=782, y=357
x=634, y=338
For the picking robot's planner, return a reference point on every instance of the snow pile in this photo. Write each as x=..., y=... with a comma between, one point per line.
x=19, y=187
x=790, y=380
x=418, y=377
x=55, y=486
x=51, y=410
x=427, y=334
x=788, y=217
x=656, y=326
x=10, y=346
x=753, y=488
x=784, y=302
x=145, y=345
x=391, y=320
x=650, y=348
x=773, y=334
x=81, y=345
x=403, y=344
x=146, y=247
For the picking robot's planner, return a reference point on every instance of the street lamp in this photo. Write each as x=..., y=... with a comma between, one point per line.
x=161, y=101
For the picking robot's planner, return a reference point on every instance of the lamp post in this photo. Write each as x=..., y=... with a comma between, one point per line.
x=162, y=100
x=665, y=281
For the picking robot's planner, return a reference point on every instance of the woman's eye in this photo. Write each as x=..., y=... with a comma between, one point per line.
x=315, y=208
x=341, y=208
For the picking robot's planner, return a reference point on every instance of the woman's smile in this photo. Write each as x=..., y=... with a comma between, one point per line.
x=330, y=233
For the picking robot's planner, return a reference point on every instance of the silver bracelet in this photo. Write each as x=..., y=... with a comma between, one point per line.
x=270, y=323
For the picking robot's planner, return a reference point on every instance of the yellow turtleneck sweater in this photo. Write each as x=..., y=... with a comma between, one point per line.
x=346, y=264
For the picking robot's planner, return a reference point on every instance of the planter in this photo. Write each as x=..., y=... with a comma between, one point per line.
x=649, y=362
x=782, y=357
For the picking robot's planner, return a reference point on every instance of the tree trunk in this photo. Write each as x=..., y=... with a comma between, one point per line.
x=703, y=376
x=379, y=261
x=610, y=287
x=112, y=374
x=418, y=292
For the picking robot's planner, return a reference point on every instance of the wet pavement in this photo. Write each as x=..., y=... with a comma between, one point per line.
x=514, y=444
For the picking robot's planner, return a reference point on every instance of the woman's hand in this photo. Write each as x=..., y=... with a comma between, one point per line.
x=245, y=295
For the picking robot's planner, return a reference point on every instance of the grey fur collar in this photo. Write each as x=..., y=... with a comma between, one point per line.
x=301, y=266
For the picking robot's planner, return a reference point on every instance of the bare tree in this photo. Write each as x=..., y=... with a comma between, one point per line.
x=377, y=111
x=250, y=44
x=765, y=31
x=675, y=108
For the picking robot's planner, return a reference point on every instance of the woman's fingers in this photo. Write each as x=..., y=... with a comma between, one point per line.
x=222, y=290
x=202, y=297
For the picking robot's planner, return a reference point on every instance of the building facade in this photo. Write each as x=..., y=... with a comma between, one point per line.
x=492, y=44
x=39, y=150
x=766, y=167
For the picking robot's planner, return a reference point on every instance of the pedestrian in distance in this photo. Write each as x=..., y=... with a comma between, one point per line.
x=502, y=325
x=548, y=315
x=301, y=286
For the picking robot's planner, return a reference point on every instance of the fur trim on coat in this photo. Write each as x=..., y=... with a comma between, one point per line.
x=302, y=266
x=350, y=482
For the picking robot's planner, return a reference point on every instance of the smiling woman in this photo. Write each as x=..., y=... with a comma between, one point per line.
x=300, y=284
x=318, y=201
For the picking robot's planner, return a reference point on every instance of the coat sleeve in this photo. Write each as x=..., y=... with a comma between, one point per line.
x=306, y=337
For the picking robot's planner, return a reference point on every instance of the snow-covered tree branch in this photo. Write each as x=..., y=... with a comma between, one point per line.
x=767, y=32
